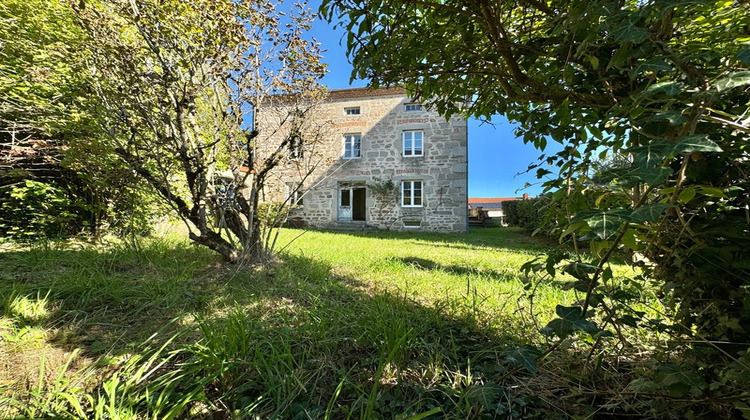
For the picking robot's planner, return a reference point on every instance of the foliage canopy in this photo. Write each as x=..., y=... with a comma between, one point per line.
x=661, y=86
x=179, y=87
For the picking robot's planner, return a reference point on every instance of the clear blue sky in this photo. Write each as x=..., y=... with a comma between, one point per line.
x=496, y=156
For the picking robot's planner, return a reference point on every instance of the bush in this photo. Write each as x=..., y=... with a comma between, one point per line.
x=538, y=215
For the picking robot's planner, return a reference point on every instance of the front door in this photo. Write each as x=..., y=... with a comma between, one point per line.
x=352, y=203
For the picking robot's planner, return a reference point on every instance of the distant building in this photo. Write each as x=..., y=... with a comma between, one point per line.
x=493, y=206
x=377, y=137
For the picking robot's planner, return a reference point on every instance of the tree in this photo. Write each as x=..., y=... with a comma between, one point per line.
x=57, y=177
x=179, y=86
x=663, y=84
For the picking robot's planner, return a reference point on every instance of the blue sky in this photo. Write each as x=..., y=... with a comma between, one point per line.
x=496, y=156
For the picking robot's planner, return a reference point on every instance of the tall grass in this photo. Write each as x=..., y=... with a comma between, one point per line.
x=377, y=325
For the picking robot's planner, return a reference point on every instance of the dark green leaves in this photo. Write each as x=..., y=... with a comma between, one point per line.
x=668, y=88
x=604, y=224
x=744, y=53
x=570, y=320
x=658, y=150
x=740, y=78
x=523, y=356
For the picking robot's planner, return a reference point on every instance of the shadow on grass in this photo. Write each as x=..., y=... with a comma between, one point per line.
x=499, y=238
x=280, y=341
x=459, y=270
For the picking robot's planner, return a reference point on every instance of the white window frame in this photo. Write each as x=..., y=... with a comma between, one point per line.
x=295, y=195
x=353, y=110
x=349, y=140
x=412, y=149
x=409, y=194
x=295, y=147
x=413, y=107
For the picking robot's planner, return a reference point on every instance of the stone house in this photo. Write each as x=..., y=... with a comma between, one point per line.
x=373, y=158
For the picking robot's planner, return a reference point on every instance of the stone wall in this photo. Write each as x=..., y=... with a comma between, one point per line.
x=442, y=168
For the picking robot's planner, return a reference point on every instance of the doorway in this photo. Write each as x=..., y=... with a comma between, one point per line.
x=352, y=203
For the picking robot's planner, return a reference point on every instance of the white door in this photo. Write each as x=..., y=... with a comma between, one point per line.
x=345, y=204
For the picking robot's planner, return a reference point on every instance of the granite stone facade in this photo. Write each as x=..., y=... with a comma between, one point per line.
x=370, y=140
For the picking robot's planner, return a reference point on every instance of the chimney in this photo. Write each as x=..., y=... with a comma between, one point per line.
x=525, y=196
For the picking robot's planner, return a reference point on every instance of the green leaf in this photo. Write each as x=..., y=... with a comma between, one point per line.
x=711, y=192
x=629, y=239
x=673, y=117
x=744, y=54
x=666, y=88
x=650, y=213
x=573, y=228
x=524, y=356
x=604, y=223
x=598, y=246
x=693, y=143
x=687, y=194
x=571, y=320
x=580, y=270
x=740, y=78
x=629, y=33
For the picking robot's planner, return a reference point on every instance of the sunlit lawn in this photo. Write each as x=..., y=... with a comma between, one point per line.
x=367, y=325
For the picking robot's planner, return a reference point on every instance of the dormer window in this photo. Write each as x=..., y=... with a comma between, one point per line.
x=412, y=107
x=354, y=110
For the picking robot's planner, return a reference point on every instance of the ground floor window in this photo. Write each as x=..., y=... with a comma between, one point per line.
x=294, y=194
x=411, y=193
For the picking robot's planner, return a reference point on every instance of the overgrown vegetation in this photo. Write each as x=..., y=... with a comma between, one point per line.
x=58, y=176
x=376, y=325
x=659, y=90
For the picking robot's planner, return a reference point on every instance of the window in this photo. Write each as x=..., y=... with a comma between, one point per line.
x=355, y=110
x=412, y=107
x=351, y=146
x=295, y=147
x=413, y=143
x=294, y=194
x=412, y=224
x=411, y=193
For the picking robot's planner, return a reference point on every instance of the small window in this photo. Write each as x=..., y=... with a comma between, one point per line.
x=412, y=107
x=413, y=143
x=412, y=224
x=295, y=147
x=411, y=193
x=351, y=146
x=352, y=110
x=294, y=194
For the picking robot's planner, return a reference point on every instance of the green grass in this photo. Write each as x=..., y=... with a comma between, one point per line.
x=344, y=325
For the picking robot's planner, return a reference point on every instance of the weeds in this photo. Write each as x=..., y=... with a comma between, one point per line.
x=382, y=325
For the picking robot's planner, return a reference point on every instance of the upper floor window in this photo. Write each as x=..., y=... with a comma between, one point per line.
x=295, y=147
x=354, y=110
x=294, y=194
x=413, y=143
x=352, y=146
x=413, y=107
x=411, y=193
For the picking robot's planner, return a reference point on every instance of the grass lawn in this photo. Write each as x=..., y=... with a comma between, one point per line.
x=345, y=325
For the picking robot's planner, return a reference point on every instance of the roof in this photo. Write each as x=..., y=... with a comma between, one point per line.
x=365, y=92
